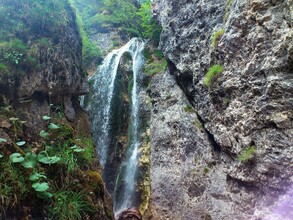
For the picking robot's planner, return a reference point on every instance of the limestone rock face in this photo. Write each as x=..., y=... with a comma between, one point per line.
x=249, y=105
x=59, y=78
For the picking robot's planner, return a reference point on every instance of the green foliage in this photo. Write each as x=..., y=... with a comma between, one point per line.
x=227, y=10
x=16, y=158
x=150, y=28
x=44, y=134
x=20, y=143
x=247, y=154
x=206, y=170
x=41, y=174
x=25, y=28
x=213, y=72
x=157, y=66
x=188, y=108
x=119, y=14
x=53, y=126
x=44, y=158
x=30, y=160
x=13, y=185
x=46, y=118
x=69, y=205
x=90, y=51
x=216, y=36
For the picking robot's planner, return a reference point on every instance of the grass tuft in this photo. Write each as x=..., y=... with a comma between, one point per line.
x=247, y=154
x=216, y=36
x=69, y=205
x=212, y=73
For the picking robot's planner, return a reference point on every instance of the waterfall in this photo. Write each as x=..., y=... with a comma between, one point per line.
x=129, y=169
x=99, y=106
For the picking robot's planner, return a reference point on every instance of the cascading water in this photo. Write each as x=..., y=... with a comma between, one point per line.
x=129, y=169
x=100, y=108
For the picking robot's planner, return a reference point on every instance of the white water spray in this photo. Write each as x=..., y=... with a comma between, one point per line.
x=100, y=108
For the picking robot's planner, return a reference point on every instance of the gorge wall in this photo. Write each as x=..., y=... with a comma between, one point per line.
x=198, y=132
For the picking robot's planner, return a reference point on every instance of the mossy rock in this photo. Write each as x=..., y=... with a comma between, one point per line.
x=95, y=181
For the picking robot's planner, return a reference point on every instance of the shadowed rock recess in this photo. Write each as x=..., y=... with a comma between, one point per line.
x=223, y=151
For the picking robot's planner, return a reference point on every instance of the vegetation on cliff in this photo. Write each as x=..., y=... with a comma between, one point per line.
x=54, y=174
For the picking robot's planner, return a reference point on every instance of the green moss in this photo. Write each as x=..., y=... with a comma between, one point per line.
x=95, y=180
x=214, y=71
x=216, y=36
x=206, y=170
x=13, y=184
x=247, y=154
x=90, y=51
x=188, y=108
x=227, y=10
x=154, y=67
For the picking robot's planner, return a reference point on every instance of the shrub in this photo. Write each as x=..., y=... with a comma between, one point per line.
x=247, y=154
x=214, y=71
x=216, y=37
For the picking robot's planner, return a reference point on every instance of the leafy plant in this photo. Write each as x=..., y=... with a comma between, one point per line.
x=46, y=118
x=44, y=158
x=216, y=36
x=3, y=140
x=214, y=71
x=53, y=126
x=16, y=158
x=39, y=185
x=44, y=134
x=20, y=143
x=30, y=160
x=150, y=27
x=247, y=154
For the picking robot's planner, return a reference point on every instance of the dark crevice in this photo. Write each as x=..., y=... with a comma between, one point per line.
x=217, y=148
x=182, y=82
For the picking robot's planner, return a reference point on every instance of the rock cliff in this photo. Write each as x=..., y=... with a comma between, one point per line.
x=223, y=150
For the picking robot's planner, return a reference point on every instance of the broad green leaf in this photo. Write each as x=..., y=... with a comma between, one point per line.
x=2, y=140
x=53, y=126
x=44, y=134
x=45, y=159
x=46, y=118
x=1, y=156
x=20, y=143
x=40, y=187
x=30, y=160
x=36, y=176
x=16, y=158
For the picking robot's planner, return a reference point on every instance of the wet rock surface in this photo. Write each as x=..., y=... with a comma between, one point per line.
x=197, y=173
